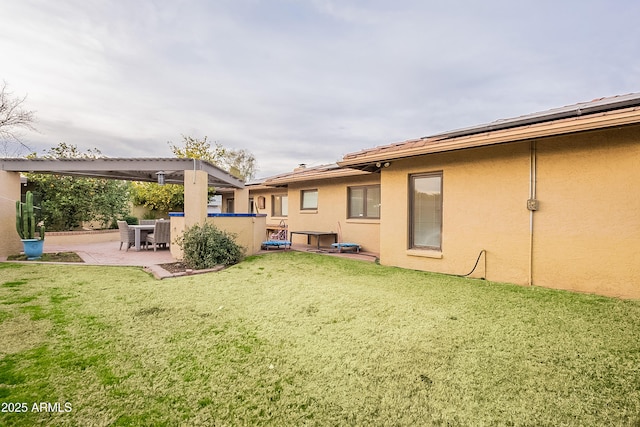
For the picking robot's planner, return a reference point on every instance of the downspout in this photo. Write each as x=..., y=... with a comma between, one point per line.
x=194, y=170
x=532, y=204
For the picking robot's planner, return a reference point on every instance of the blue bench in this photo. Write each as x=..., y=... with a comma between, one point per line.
x=346, y=246
x=276, y=244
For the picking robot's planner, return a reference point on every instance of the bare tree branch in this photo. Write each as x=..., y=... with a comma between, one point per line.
x=13, y=118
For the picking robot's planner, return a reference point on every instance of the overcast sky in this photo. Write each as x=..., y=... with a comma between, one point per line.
x=304, y=81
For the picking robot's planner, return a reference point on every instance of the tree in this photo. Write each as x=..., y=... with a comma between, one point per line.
x=165, y=198
x=13, y=117
x=66, y=202
x=160, y=198
x=240, y=163
x=70, y=151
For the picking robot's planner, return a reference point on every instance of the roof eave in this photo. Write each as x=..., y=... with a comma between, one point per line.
x=609, y=119
x=320, y=175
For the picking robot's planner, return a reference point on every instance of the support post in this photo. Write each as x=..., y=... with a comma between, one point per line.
x=195, y=197
x=9, y=193
x=241, y=200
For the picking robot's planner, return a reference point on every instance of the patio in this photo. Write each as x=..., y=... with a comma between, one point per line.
x=107, y=253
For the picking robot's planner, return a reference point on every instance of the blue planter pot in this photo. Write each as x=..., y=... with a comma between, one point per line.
x=33, y=248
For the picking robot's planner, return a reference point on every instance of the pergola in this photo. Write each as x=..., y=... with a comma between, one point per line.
x=129, y=169
x=196, y=176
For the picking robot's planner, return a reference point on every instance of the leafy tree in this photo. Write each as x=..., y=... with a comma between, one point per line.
x=70, y=151
x=240, y=163
x=199, y=149
x=66, y=202
x=13, y=117
x=163, y=198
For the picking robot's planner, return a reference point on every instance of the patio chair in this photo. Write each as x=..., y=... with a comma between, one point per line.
x=147, y=222
x=161, y=234
x=127, y=234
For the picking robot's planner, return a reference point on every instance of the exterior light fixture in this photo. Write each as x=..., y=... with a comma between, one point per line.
x=160, y=176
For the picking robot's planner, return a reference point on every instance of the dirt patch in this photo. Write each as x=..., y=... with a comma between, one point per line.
x=180, y=268
x=175, y=267
x=50, y=257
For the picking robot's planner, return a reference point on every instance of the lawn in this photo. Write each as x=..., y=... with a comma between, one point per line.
x=304, y=339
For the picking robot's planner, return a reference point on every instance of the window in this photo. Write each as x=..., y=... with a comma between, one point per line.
x=309, y=199
x=364, y=202
x=280, y=205
x=425, y=221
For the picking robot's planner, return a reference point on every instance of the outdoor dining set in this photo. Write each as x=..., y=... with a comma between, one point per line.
x=155, y=232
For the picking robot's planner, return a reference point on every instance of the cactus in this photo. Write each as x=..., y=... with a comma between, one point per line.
x=26, y=220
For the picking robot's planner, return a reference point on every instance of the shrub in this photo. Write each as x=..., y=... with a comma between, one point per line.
x=131, y=220
x=205, y=246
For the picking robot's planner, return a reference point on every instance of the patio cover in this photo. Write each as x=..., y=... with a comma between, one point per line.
x=129, y=169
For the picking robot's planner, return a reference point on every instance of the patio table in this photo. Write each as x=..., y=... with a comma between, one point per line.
x=138, y=228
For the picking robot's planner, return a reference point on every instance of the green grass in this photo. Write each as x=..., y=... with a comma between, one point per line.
x=303, y=339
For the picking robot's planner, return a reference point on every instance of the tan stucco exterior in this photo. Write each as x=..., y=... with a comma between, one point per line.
x=9, y=193
x=332, y=209
x=81, y=237
x=484, y=207
x=195, y=197
x=586, y=232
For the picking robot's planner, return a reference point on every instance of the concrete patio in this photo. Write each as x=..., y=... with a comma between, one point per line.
x=108, y=253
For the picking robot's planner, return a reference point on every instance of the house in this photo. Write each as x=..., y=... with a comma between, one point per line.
x=321, y=198
x=547, y=199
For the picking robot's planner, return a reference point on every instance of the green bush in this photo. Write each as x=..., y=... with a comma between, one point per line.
x=131, y=220
x=205, y=246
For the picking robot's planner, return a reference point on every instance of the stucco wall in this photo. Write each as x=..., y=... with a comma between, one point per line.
x=268, y=207
x=80, y=237
x=250, y=231
x=9, y=194
x=586, y=232
x=484, y=207
x=332, y=208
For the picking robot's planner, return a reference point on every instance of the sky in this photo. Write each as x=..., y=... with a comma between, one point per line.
x=303, y=81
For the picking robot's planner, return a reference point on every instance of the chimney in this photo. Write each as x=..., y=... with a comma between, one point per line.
x=301, y=167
